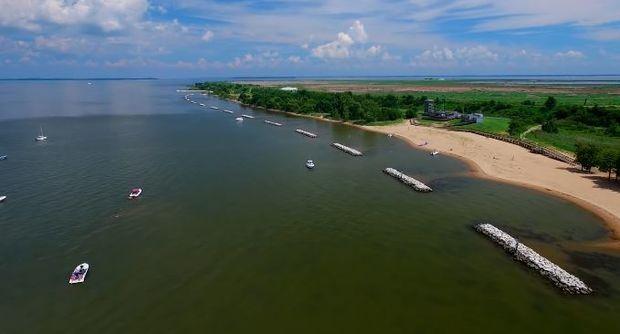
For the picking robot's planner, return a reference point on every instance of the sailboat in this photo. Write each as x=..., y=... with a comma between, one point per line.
x=41, y=137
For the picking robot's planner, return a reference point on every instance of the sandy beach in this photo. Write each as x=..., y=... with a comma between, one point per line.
x=511, y=163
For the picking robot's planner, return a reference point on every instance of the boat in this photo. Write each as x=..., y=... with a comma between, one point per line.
x=435, y=152
x=40, y=137
x=310, y=164
x=214, y=107
x=203, y=105
x=247, y=116
x=3, y=157
x=2, y=198
x=79, y=274
x=390, y=135
x=229, y=111
x=135, y=193
x=239, y=119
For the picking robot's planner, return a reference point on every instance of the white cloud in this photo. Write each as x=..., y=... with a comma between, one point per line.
x=374, y=50
x=241, y=61
x=207, y=35
x=446, y=56
x=294, y=59
x=108, y=15
x=570, y=54
x=357, y=32
x=336, y=49
x=604, y=35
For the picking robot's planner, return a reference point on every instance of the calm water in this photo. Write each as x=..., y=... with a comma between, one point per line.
x=234, y=235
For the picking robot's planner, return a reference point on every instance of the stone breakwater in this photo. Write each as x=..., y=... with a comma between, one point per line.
x=306, y=133
x=273, y=123
x=408, y=180
x=558, y=276
x=347, y=149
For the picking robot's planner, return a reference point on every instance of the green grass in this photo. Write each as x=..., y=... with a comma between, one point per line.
x=382, y=123
x=498, y=125
x=569, y=134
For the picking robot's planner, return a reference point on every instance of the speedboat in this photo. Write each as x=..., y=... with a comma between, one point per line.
x=310, y=164
x=214, y=107
x=203, y=105
x=3, y=157
x=2, y=198
x=229, y=111
x=79, y=274
x=239, y=119
x=40, y=137
x=247, y=116
x=135, y=193
x=435, y=152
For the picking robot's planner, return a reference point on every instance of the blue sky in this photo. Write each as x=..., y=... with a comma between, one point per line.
x=202, y=38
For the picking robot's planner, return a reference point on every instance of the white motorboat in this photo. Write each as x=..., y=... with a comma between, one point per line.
x=247, y=116
x=40, y=137
x=3, y=157
x=2, y=198
x=79, y=274
x=310, y=164
x=203, y=105
x=239, y=119
x=135, y=193
x=435, y=152
x=214, y=107
x=229, y=111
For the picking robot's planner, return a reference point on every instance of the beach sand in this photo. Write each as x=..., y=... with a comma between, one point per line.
x=510, y=163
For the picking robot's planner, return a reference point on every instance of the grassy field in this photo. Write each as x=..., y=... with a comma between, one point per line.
x=569, y=134
x=497, y=125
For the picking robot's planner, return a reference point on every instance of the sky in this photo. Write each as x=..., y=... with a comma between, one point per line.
x=223, y=38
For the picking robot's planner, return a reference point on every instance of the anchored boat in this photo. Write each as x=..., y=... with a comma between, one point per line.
x=239, y=119
x=2, y=198
x=435, y=152
x=3, y=157
x=40, y=137
x=310, y=164
x=79, y=274
x=135, y=193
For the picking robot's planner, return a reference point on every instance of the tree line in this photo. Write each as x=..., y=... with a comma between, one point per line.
x=590, y=155
x=346, y=106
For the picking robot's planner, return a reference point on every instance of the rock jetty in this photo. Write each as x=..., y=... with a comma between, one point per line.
x=408, y=180
x=558, y=276
x=306, y=133
x=347, y=149
x=273, y=123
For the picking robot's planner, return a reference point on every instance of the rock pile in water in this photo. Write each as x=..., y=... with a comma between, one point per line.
x=558, y=276
x=408, y=180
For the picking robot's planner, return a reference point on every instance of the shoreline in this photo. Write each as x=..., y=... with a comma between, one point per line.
x=611, y=220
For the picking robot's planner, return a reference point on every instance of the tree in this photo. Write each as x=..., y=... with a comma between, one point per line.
x=550, y=126
x=516, y=126
x=617, y=165
x=606, y=161
x=550, y=103
x=587, y=155
x=411, y=112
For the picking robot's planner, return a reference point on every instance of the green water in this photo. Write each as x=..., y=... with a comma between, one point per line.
x=234, y=235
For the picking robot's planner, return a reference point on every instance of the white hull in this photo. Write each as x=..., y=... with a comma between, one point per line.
x=137, y=194
x=2, y=198
x=73, y=279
